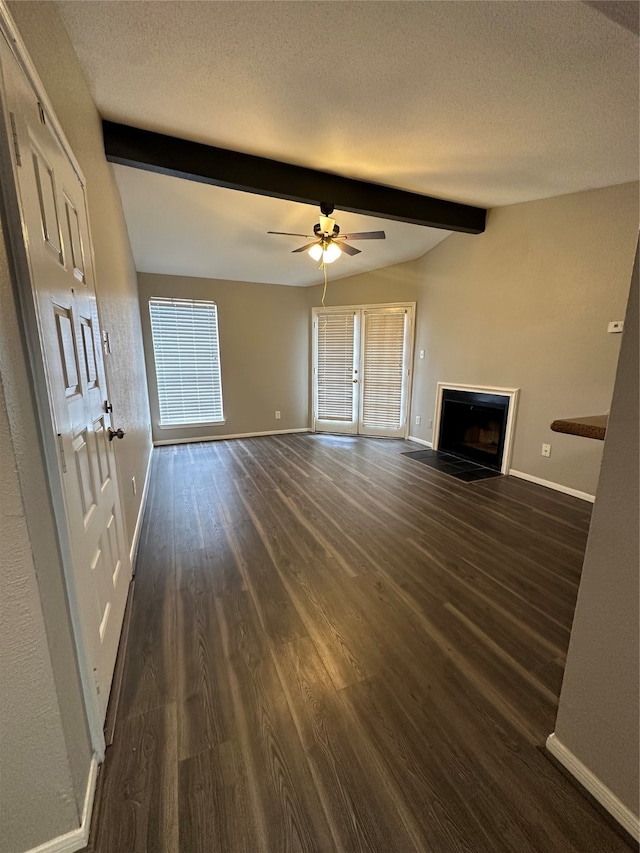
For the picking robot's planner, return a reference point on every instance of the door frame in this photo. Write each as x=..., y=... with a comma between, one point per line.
x=19, y=271
x=339, y=309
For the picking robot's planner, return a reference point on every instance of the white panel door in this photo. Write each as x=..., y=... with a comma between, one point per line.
x=362, y=369
x=56, y=235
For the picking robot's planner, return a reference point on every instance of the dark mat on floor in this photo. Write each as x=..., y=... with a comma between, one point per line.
x=461, y=469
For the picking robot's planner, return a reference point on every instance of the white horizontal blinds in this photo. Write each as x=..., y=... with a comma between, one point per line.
x=187, y=356
x=335, y=366
x=383, y=369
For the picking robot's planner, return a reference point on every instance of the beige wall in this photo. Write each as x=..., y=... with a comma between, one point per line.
x=399, y=283
x=44, y=744
x=525, y=305
x=263, y=352
x=55, y=60
x=34, y=765
x=599, y=713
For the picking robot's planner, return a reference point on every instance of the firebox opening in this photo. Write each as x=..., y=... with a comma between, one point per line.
x=473, y=426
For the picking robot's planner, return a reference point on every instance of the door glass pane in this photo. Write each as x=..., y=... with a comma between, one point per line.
x=383, y=370
x=335, y=367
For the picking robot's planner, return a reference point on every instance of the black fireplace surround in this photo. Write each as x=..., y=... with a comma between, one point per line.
x=473, y=426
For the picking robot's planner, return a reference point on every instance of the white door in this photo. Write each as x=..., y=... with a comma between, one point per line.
x=335, y=372
x=362, y=369
x=56, y=235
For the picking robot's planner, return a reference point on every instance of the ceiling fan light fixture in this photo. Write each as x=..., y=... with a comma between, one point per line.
x=331, y=253
x=327, y=252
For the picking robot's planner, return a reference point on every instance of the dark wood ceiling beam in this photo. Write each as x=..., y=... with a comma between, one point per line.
x=168, y=155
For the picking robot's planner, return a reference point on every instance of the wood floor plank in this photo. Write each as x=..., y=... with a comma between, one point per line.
x=286, y=810
x=280, y=619
x=360, y=805
x=316, y=590
x=438, y=790
x=334, y=648
x=204, y=704
x=149, y=678
x=138, y=807
x=214, y=804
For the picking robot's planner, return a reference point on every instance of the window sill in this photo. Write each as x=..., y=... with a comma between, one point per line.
x=191, y=426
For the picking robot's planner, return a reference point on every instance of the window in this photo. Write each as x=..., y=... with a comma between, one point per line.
x=187, y=357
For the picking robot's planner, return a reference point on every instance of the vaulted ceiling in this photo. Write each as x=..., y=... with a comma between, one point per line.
x=488, y=103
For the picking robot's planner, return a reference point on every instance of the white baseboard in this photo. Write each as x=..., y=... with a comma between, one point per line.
x=77, y=838
x=225, y=437
x=594, y=786
x=420, y=441
x=584, y=496
x=143, y=500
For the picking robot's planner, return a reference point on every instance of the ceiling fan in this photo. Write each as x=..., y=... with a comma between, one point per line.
x=328, y=243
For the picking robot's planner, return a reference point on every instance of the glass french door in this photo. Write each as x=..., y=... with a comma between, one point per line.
x=362, y=369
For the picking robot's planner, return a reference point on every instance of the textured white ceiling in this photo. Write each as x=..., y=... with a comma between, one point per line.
x=180, y=227
x=490, y=103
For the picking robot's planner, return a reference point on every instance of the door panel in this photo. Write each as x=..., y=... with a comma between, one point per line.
x=336, y=372
x=385, y=372
x=55, y=225
x=46, y=190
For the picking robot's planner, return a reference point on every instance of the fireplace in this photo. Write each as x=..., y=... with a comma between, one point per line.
x=475, y=423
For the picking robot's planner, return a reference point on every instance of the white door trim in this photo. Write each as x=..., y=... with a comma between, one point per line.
x=22, y=277
x=359, y=310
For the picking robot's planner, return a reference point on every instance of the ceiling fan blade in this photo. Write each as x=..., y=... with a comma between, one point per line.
x=365, y=235
x=305, y=248
x=349, y=250
x=289, y=234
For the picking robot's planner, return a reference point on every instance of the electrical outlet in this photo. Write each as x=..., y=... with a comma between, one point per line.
x=615, y=327
x=421, y=353
x=277, y=415
x=429, y=424
x=546, y=450
x=134, y=485
x=418, y=419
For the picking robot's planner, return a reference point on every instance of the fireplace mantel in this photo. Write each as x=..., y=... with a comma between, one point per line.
x=512, y=395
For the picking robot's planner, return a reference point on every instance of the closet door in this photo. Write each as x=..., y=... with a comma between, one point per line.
x=57, y=240
x=335, y=371
x=386, y=344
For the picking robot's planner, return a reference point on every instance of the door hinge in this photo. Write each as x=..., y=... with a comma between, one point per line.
x=14, y=135
x=43, y=118
x=95, y=678
x=63, y=461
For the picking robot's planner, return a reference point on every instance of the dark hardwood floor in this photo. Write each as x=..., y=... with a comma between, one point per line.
x=335, y=648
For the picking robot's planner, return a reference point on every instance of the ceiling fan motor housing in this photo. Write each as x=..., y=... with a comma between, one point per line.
x=326, y=227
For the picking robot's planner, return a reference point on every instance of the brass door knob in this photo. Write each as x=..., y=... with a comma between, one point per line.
x=115, y=433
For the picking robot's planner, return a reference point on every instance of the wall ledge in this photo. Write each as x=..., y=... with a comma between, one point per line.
x=558, y=487
x=597, y=788
x=78, y=838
